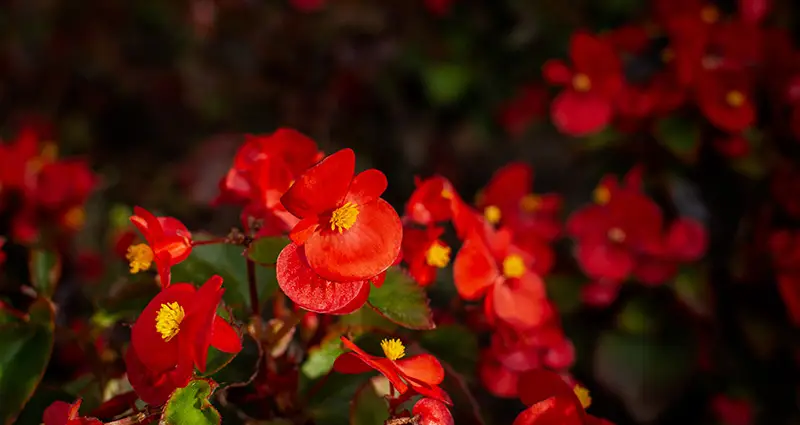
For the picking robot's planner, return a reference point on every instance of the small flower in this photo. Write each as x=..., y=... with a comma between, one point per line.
x=63, y=413
x=393, y=349
x=169, y=242
x=425, y=253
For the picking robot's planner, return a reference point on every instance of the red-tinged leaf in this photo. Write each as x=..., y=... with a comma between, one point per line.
x=402, y=301
x=24, y=353
x=191, y=405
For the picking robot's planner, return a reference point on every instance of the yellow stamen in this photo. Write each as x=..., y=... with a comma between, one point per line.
x=492, y=214
x=447, y=194
x=581, y=82
x=602, y=195
x=616, y=234
x=530, y=202
x=75, y=218
x=393, y=349
x=49, y=152
x=709, y=14
x=513, y=266
x=583, y=395
x=735, y=98
x=140, y=257
x=168, y=320
x=438, y=255
x=344, y=217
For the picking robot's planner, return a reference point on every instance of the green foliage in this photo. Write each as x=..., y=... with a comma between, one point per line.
x=24, y=353
x=453, y=344
x=191, y=405
x=266, y=250
x=45, y=270
x=402, y=301
x=680, y=136
x=446, y=83
x=368, y=406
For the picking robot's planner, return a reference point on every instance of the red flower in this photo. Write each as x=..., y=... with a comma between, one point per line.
x=489, y=264
x=421, y=374
x=347, y=232
x=518, y=113
x=168, y=243
x=508, y=200
x=553, y=401
x=754, y=11
x=2, y=253
x=154, y=387
x=62, y=413
x=64, y=184
x=594, y=80
x=425, y=253
x=179, y=324
x=724, y=97
x=731, y=411
x=432, y=201
x=19, y=162
x=432, y=412
x=439, y=7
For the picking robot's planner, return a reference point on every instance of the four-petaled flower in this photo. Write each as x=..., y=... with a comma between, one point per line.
x=168, y=243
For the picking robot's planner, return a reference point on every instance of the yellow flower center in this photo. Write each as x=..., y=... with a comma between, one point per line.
x=393, y=349
x=438, y=255
x=735, y=98
x=709, y=14
x=168, y=320
x=513, y=266
x=581, y=82
x=344, y=217
x=49, y=152
x=583, y=395
x=140, y=257
x=601, y=195
x=530, y=202
x=75, y=218
x=616, y=234
x=492, y=214
x=447, y=194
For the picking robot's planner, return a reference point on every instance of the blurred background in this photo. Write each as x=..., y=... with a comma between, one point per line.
x=157, y=95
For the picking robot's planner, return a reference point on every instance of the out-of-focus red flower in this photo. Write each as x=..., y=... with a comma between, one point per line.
x=308, y=5
x=600, y=293
x=178, y=325
x=731, y=411
x=734, y=146
x=784, y=246
x=508, y=200
x=2, y=252
x=421, y=374
x=552, y=400
x=736, y=44
x=594, y=79
x=725, y=98
x=491, y=265
x=425, y=253
x=754, y=11
x=168, y=243
x=439, y=7
x=519, y=112
x=20, y=160
x=64, y=184
x=785, y=188
x=63, y=413
x=431, y=201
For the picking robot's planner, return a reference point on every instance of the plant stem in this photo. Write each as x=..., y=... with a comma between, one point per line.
x=210, y=242
x=134, y=419
x=290, y=323
x=251, y=283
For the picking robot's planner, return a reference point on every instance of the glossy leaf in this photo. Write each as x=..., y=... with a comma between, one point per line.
x=45, y=270
x=368, y=406
x=266, y=250
x=191, y=405
x=402, y=301
x=24, y=354
x=454, y=344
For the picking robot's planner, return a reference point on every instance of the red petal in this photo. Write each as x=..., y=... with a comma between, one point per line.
x=382, y=365
x=322, y=187
x=551, y=411
x=541, y=384
x=603, y=260
x=498, y=380
x=357, y=302
x=366, y=249
x=310, y=291
x=350, y=363
x=153, y=388
x=155, y=353
x=224, y=337
x=556, y=72
x=147, y=223
x=366, y=187
x=580, y=114
x=424, y=367
x=431, y=201
x=474, y=269
x=378, y=280
x=519, y=302
x=57, y=413
x=304, y=229
x=200, y=319
x=687, y=239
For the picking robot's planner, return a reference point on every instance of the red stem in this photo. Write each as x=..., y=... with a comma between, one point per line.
x=210, y=242
x=251, y=283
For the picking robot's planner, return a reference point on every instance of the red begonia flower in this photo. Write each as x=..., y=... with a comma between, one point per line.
x=314, y=293
x=431, y=201
x=432, y=412
x=347, y=232
x=425, y=253
x=179, y=324
x=553, y=401
x=2, y=253
x=594, y=80
x=168, y=243
x=154, y=387
x=518, y=113
x=18, y=161
x=733, y=411
x=725, y=99
x=63, y=413
x=498, y=379
x=421, y=374
x=754, y=11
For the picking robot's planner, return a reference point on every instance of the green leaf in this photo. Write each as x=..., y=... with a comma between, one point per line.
x=24, y=353
x=565, y=291
x=229, y=262
x=266, y=250
x=402, y=301
x=691, y=287
x=367, y=318
x=329, y=405
x=320, y=358
x=45, y=271
x=41, y=399
x=191, y=405
x=368, y=407
x=446, y=82
x=454, y=344
x=646, y=372
x=226, y=368
x=679, y=135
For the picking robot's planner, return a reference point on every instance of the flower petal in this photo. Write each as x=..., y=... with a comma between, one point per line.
x=474, y=269
x=322, y=186
x=309, y=290
x=385, y=366
x=580, y=114
x=519, y=302
x=366, y=187
x=364, y=250
x=224, y=337
x=304, y=229
x=424, y=367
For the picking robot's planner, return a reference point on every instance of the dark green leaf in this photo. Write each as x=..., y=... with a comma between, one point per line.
x=367, y=318
x=45, y=269
x=454, y=344
x=368, y=407
x=446, y=82
x=402, y=301
x=24, y=353
x=191, y=405
x=565, y=291
x=42, y=398
x=329, y=405
x=266, y=250
x=679, y=135
x=225, y=368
